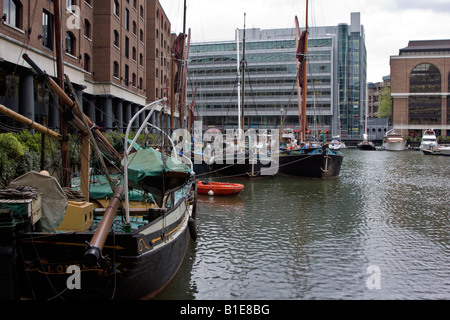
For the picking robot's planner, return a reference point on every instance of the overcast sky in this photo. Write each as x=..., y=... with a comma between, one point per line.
x=389, y=24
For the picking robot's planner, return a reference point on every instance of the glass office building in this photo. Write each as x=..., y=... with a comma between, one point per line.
x=336, y=80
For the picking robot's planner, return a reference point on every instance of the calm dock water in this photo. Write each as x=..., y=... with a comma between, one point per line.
x=379, y=231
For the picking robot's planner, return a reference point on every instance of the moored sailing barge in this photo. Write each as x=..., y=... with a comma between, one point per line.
x=101, y=247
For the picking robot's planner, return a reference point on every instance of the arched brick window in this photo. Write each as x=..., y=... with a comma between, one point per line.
x=425, y=109
x=425, y=78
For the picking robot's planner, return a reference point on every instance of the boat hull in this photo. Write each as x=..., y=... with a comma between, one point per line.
x=137, y=266
x=429, y=140
x=366, y=146
x=394, y=146
x=311, y=163
x=218, y=188
x=437, y=151
x=393, y=141
x=427, y=145
x=338, y=147
x=246, y=168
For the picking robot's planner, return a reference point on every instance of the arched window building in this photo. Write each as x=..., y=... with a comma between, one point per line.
x=420, y=87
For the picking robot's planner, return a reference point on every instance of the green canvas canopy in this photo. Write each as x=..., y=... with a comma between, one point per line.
x=99, y=188
x=149, y=163
x=150, y=178
x=149, y=172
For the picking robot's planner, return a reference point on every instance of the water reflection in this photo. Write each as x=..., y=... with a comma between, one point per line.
x=292, y=238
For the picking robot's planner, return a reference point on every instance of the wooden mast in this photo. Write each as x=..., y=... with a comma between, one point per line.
x=183, y=93
x=302, y=67
x=65, y=174
x=299, y=90
x=182, y=98
x=304, y=89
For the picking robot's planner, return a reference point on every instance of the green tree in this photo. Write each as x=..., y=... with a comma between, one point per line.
x=11, y=151
x=385, y=109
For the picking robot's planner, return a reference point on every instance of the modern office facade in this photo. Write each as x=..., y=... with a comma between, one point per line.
x=420, y=87
x=114, y=53
x=336, y=79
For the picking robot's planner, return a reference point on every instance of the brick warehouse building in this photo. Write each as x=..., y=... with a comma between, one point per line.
x=420, y=87
x=116, y=53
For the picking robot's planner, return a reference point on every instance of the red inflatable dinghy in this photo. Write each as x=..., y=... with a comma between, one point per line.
x=218, y=188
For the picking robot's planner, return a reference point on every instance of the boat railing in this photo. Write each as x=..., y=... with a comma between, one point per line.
x=174, y=153
x=152, y=107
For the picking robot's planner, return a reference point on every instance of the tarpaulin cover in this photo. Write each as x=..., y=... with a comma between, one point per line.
x=149, y=163
x=99, y=188
x=54, y=200
x=148, y=171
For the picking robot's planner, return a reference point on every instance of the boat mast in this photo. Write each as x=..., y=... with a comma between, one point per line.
x=243, y=64
x=182, y=73
x=304, y=89
x=302, y=52
x=183, y=81
x=65, y=175
x=239, y=79
x=297, y=40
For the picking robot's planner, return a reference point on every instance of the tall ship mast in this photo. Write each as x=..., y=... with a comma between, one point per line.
x=306, y=159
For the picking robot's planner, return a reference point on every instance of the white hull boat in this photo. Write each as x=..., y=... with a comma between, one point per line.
x=394, y=141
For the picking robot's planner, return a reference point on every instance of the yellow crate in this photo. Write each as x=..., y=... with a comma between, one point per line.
x=79, y=217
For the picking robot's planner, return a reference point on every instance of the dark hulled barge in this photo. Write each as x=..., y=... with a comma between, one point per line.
x=126, y=239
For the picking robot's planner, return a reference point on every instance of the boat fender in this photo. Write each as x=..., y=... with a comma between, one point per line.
x=210, y=193
x=210, y=161
x=192, y=228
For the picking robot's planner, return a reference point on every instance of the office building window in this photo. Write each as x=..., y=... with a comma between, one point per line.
x=127, y=19
x=127, y=74
x=87, y=62
x=87, y=29
x=70, y=43
x=127, y=47
x=47, y=30
x=116, y=8
x=116, y=39
x=116, y=69
x=134, y=56
x=12, y=13
x=70, y=3
x=425, y=78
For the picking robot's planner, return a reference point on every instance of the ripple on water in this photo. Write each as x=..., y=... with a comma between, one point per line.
x=289, y=238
